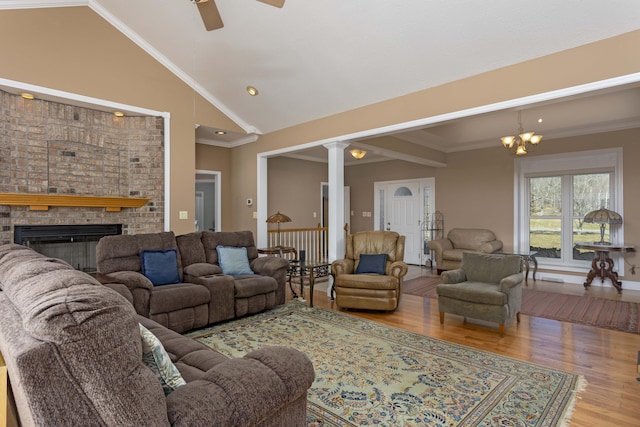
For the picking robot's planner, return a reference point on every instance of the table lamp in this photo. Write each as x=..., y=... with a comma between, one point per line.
x=603, y=217
x=277, y=218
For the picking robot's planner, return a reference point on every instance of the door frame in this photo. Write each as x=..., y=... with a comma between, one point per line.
x=422, y=183
x=216, y=179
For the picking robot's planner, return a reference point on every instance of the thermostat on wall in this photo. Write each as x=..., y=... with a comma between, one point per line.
x=249, y=202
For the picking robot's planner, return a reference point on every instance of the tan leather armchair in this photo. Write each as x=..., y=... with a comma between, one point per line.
x=356, y=286
x=448, y=251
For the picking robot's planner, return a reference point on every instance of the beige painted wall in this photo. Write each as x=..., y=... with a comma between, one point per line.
x=593, y=62
x=476, y=189
x=294, y=189
x=218, y=159
x=73, y=49
x=361, y=179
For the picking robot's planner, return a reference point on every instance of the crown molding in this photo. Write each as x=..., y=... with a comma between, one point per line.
x=38, y=4
x=228, y=144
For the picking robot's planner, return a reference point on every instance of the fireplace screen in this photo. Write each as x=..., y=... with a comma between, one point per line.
x=76, y=244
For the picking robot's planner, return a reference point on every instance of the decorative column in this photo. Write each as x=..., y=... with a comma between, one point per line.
x=336, y=199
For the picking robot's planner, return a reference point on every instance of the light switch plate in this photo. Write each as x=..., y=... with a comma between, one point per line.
x=184, y=215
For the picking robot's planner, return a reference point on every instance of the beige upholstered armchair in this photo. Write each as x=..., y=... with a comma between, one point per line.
x=448, y=251
x=486, y=287
x=370, y=275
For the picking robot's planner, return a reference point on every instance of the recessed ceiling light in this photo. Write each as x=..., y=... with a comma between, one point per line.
x=221, y=132
x=252, y=90
x=118, y=114
x=540, y=120
x=26, y=95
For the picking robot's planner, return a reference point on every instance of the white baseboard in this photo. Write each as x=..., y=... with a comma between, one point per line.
x=580, y=279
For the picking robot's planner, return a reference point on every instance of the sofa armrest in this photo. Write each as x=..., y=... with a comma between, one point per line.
x=269, y=265
x=121, y=289
x=201, y=269
x=490, y=247
x=510, y=281
x=438, y=246
x=454, y=276
x=398, y=269
x=132, y=279
x=140, y=288
x=243, y=391
x=342, y=266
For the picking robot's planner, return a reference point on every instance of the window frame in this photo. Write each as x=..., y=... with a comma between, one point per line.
x=591, y=161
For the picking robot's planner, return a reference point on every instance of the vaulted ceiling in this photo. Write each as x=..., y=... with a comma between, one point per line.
x=311, y=59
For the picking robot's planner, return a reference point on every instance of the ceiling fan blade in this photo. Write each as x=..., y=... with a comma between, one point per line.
x=276, y=3
x=210, y=15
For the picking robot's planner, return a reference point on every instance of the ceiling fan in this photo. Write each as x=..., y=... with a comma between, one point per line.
x=211, y=16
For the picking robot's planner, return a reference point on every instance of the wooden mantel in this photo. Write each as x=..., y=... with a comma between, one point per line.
x=42, y=202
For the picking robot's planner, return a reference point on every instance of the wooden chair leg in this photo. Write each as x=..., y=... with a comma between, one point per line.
x=518, y=317
x=501, y=329
x=442, y=317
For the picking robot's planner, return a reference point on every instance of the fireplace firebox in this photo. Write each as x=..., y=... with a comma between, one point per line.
x=76, y=244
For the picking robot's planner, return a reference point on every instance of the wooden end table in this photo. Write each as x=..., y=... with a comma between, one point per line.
x=602, y=264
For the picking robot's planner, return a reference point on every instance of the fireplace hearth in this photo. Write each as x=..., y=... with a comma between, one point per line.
x=76, y=244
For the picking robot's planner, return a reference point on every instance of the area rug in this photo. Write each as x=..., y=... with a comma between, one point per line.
x=372, y=374
x=585, y=310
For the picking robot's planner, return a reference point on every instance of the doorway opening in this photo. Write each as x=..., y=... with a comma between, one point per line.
x=208, y=200
x=404, y=206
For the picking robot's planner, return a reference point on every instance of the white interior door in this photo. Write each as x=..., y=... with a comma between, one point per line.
x=199, y=210
x=209, y=206
x=400, y=208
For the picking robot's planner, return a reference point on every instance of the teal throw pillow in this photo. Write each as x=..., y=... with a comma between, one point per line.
x=372, y=264
x=161, y=267
x=233, y=260
x=157, y=359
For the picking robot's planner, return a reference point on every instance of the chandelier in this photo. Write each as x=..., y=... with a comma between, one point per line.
x=522, y=141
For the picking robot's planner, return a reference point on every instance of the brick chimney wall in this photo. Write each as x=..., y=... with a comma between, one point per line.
x=52, y=148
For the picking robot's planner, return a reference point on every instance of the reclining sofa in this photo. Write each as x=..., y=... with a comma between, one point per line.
x=75, y=357
x=198, y=293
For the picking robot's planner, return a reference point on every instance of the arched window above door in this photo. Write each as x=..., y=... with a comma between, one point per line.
x=402, y=192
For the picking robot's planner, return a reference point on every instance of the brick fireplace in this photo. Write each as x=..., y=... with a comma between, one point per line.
x=49, y=148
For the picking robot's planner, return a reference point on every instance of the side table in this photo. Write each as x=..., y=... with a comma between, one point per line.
x=527, y=258
x=312, y=269
x=602, y=264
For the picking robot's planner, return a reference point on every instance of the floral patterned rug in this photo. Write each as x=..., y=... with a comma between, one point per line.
x=371, y=374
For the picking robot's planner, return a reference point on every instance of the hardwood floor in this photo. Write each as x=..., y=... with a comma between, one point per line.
x=607, y=359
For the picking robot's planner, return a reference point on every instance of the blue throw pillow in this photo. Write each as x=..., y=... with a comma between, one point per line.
x=372, y=264
x=161, y=267
x=233, y=260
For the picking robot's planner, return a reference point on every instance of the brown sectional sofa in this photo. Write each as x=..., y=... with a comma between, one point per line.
x=73, y=351
x=203, y=294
